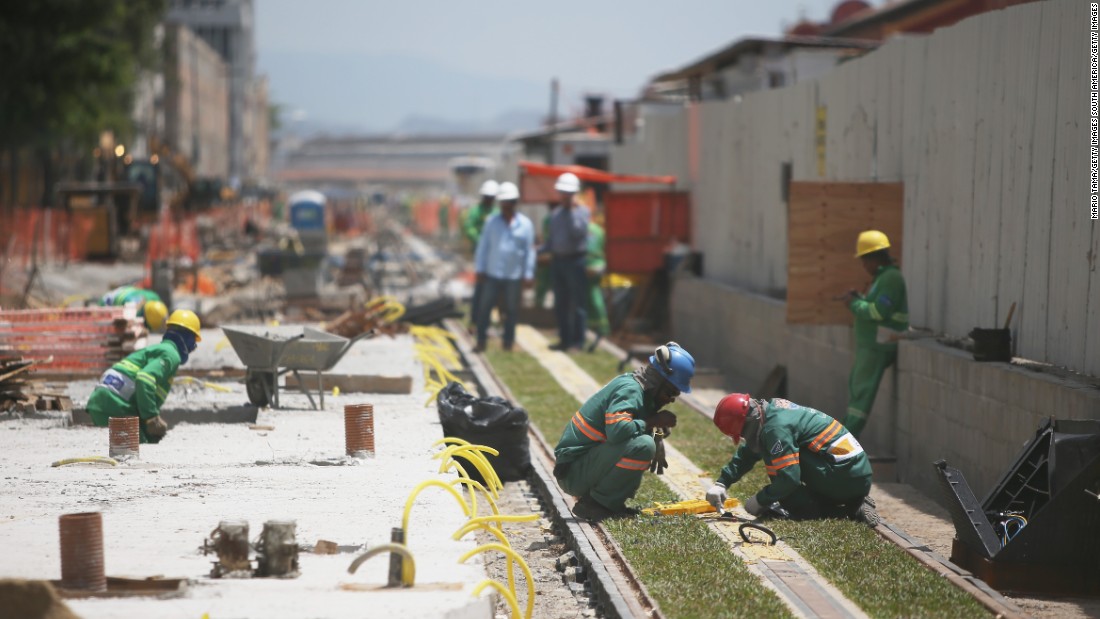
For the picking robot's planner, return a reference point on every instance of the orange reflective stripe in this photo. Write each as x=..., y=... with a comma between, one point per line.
x=587, y=429
x=826, y=435
x=632, y=464
x=617, y=415
x=781, y=463
x=621, y=418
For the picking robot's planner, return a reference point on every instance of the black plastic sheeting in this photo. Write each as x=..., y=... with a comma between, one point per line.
x=493, y=422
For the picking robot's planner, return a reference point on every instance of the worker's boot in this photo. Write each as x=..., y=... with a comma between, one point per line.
x=866, y=513
x=588, y=509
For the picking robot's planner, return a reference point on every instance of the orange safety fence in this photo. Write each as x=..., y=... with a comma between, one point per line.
x=44, y=235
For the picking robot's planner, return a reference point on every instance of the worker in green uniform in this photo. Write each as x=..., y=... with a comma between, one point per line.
x=595, y=266
x=150, y=307
x=816, y=468
x=472, y=225
x=608, y=444
x=138, y=385
x=880, y=315
x=542, y=268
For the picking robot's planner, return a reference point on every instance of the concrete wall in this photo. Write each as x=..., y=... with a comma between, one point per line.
x=937, y=402
x=985, y=123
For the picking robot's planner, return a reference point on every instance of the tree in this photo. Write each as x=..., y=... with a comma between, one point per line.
x=68, y=69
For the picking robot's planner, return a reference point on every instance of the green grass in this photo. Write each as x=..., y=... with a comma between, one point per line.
x=686, y=566
x=882, y=578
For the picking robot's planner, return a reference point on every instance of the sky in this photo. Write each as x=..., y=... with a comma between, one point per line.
x=371, y=65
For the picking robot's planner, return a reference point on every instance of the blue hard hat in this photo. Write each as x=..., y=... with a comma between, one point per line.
x=675, y=364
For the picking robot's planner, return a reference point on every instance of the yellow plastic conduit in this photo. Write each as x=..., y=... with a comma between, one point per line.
x=473, y=456
x=497, y=533
x=511, y=599
x=420, y=488
x=408, y=564
x=96, y=459
x=515, y=557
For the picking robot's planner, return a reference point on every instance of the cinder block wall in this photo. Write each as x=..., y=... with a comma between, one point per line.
x=936, y=402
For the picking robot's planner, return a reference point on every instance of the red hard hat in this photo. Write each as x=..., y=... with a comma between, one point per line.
x=730, y=414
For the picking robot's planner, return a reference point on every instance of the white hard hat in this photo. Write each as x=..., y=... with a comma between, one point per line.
x=489, y=188
x=508, y=191
x=568, y=183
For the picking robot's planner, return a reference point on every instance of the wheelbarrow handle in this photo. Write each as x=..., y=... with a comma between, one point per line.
x=283, y=346
x=362, y=336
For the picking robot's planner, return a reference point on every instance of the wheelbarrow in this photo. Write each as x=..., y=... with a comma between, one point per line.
x=269, y=352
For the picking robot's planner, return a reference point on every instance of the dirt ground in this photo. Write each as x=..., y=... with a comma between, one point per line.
x=922, y=518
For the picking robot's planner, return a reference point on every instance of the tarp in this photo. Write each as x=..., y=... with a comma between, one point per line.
x=591, y=175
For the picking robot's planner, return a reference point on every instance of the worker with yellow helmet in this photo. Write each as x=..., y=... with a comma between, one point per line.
x=139, y=384
x=150, y=306
x=880, y=315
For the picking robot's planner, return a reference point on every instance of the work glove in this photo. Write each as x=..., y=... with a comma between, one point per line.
x=659, y=464
x=156, y=428
x=717, y=496
x=661, y=419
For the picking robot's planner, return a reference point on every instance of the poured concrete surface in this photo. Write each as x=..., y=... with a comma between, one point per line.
x=157, y=510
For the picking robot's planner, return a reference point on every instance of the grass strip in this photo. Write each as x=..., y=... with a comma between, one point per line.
x=686, y=566
x=881, y=578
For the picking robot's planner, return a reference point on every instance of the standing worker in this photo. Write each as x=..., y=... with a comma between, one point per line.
x=138, y=385
x=505, y=262
x=149, y=305
x=594, y=267
x=816, y=468
x=568, y=247
x=609, y=443
x=543, y=280
x=879, y=316
x=472, y=225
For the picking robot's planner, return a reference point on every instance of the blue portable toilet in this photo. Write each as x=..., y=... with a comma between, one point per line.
x=307, y=210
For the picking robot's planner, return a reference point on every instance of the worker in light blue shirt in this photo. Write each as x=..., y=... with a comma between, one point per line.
x=505, y=264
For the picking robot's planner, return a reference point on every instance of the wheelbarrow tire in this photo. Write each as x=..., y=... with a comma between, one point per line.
x=259, y=386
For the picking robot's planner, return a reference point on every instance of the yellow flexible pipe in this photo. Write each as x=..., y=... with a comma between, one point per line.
x=420, y=488
x=95, y=459
x=515, y=557
x=508, y=596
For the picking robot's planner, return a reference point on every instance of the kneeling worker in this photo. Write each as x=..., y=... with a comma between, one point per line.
x=149, y=305
x=139, y=384
x=817, y=468
x=608, y=444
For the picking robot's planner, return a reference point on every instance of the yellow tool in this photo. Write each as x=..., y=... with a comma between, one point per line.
x=690, y=507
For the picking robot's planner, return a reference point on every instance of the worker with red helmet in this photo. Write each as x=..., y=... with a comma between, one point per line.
x=816, y=467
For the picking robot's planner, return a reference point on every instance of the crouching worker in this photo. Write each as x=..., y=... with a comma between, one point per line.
x=139, y=384
x=609, y=444
x=816, y=468
x=149, y=305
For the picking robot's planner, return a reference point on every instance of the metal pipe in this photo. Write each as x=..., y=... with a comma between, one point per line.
x=82, y=551
x=124, y=435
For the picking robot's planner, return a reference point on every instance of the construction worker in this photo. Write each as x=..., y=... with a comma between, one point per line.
x=594, y=267
x=139, y=384
x=472, y=225
x=609, y=443
x=505, y=263
x=543, y=280
x=567, y=243
x=816, y=468
x=879, y=316
x=149, y=305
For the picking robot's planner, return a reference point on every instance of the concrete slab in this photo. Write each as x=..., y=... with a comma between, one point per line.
x=158, y=509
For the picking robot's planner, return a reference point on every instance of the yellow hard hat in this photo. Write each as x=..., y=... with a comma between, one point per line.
x=155, y=312
x=871, y=241
x=188, y=320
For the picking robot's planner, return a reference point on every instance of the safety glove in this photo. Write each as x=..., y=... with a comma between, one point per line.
x=155, y=427
x=717, y=496
x=659, y=463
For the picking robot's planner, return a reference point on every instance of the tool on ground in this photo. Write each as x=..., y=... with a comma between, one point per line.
x=700, y=507
x=230, y=542
x=277, y=550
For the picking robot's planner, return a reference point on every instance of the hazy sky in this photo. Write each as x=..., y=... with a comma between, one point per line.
x=608, y=46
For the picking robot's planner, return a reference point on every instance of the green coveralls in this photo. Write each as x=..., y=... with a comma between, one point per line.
x=129, y=294
x=148, y=372
x=885, y=305
x=596, y=264
x=605, y=447
x=816, y=467
x=542, y=271
x=475, y=222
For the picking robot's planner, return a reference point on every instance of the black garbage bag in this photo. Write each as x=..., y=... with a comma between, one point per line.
x=493, y=422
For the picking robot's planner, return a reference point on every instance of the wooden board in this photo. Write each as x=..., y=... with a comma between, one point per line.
x=353, y=383
x=825, y=220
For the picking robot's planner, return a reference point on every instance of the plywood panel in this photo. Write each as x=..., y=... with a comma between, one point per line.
x=825, y=220
x=1071, y=230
